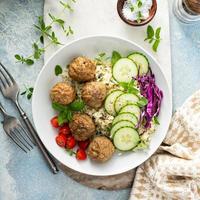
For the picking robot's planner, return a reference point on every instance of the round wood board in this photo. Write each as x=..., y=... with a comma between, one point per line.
x=115, y=182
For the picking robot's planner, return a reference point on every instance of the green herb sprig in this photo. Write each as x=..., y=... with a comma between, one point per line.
x=130, y=87
x=66, y=112
x=142, y=102
x=58, y=70
x=115, y=57
x=47, y=32
x=28, y=92
x=102, y=59
x=153, y=36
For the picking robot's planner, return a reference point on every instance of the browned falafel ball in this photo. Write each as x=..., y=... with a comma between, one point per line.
x=82, y=69
x=82, y=127
x=62, y=93
x=101, y=149
x=93, y=94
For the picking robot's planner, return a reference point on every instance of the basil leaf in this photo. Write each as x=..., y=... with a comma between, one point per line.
x=58, y=107
x=142, y=102
x=115, y=57
x=150, y=32
x=58, y=70
x=77, y=105
x=62, y=118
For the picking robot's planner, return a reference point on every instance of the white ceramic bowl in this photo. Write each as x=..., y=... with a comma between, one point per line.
x=43, y=112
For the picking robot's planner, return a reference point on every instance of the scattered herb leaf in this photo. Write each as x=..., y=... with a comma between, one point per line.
x=142, y=102
x=58, y=70
x=115, y=57
x=71, y=152
x=28, y=92
x=153, y=36
x=101, y=59
x=155, y=120
x=130, y=87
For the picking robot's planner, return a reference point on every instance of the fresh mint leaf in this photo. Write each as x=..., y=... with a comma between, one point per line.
x=77, y=105
x=58, y=70
x=155, y=45
x=115, y=57
x=155, y=120
x=157, y=34
x=150, y=32
x=129, y=87
x=142, y=102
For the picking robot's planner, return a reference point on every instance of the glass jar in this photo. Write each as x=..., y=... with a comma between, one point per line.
x=187, y=11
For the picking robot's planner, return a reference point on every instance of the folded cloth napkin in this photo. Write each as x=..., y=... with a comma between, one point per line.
x=173, y=172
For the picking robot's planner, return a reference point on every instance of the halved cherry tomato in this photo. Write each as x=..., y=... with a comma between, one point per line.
x=83, y=144
x=54, y=122
x=81, y=154
x=64, y=129
x=71, y=142
x=61, y=140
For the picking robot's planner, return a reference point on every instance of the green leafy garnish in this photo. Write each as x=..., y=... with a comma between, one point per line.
x=28, y=92
x=77, y=105
x=58, y=70
x=130, y=87
x=153, y=36
x=139, y=17
x=66, y=112
x=115, y=57
x=71, y=152
x=47, y=33
x=142, y=102
x=155, y=120
x=101, y=59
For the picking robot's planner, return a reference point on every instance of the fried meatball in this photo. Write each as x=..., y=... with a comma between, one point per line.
x=93, y=94
x=82, y=127
x=62, y=93
x=101, y=149
x=82, y=69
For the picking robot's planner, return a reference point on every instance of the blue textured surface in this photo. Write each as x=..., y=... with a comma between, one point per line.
x=26, y=177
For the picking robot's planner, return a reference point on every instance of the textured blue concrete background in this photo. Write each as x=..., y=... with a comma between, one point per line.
x=25, y=176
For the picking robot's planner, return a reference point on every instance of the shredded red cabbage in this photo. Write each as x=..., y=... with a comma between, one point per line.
x=153, y=94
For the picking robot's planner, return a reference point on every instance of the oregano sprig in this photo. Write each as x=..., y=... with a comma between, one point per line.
x=47, y=32
x=153, y=36
x=28, y=92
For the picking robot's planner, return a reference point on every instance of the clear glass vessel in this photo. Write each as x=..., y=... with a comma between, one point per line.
x=187, y=11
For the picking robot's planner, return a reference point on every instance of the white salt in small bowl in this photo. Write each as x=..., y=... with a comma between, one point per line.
x=152, y=12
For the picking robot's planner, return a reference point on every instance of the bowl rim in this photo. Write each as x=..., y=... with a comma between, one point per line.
x=134, y=23
x=100, y=36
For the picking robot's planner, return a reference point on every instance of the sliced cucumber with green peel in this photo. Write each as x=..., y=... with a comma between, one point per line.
x=125, y=116
x=124, y=70
x=109, y=102
x=125, y=99
x=126, y=138
x=119, y=125
x=141, y=62
x=132, y=108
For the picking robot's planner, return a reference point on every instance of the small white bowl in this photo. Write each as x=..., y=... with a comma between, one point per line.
x=43, y=112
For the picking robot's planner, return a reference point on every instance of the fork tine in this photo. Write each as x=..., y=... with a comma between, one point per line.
x=19, y=139
x=3, y=82
x=14, y=140
x=23, y=137
x=5, y=77
x=26, y=133
x=8, y=74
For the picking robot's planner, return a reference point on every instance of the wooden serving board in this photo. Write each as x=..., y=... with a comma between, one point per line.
x=94, y=17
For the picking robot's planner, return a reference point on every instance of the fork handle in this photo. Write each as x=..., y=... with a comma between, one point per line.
x=39, y=143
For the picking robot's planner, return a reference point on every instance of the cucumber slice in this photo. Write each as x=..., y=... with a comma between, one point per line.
x=125, y=116
x=109, y=102
x=141, y=61
x=125, y=99
x=119, y=125
x=132, y=108
x=126, y=138
x=124, y=70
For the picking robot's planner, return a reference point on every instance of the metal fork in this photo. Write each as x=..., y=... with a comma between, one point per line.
x=16, y=131
x=10, y=90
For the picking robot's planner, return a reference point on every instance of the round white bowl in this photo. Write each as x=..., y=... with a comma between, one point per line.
x=43, y=112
